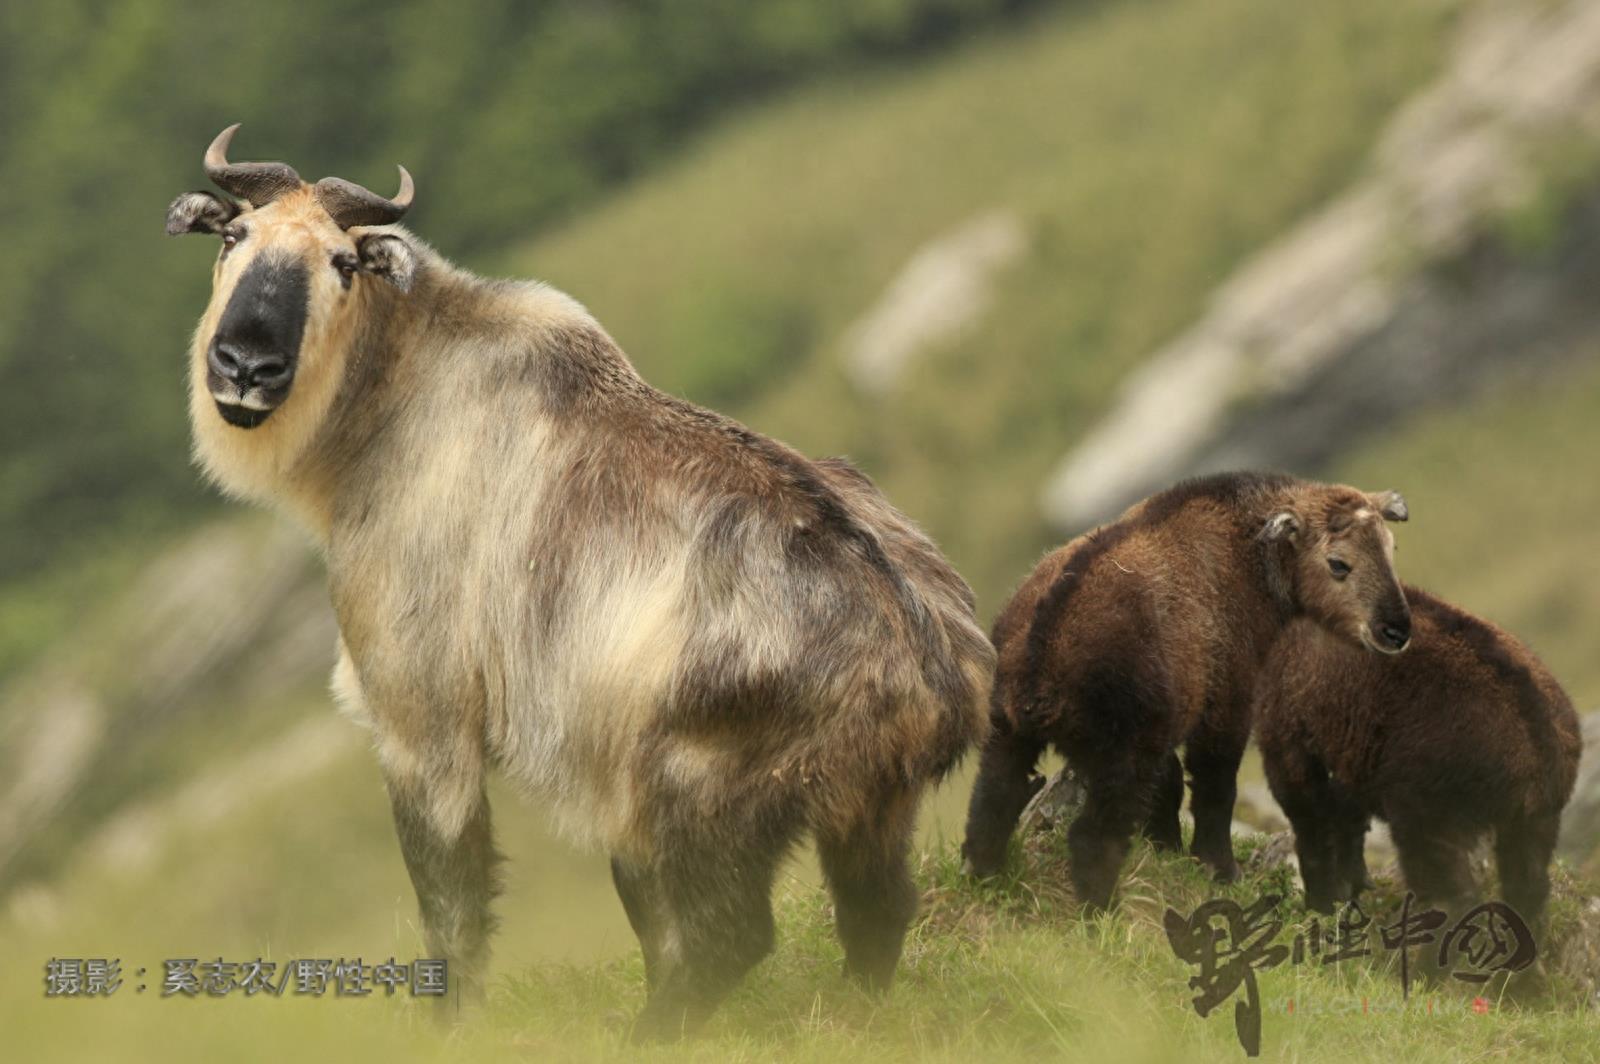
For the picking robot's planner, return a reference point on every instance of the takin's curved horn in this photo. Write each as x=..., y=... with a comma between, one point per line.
x=260, y=183
x=350, y=204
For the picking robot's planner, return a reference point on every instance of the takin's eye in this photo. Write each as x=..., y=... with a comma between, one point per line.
x=347, y=265
x=230, y=237
x=1339, y=568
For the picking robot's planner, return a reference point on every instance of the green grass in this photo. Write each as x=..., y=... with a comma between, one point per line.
x=1005, y=969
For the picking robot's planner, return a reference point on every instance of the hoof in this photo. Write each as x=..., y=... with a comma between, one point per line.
x=1325, y=906
x=1222, y=872
x=973, y=868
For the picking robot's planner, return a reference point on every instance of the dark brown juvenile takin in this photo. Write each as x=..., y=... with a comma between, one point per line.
x=1147, y=634
x=1466, y=734
x=692, y=644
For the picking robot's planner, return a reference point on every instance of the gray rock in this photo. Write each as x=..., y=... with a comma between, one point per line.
x=1055, y=804
x=1580, y=824
x=1396, y=296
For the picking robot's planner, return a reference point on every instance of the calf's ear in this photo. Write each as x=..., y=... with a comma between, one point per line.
x=1281, y=526
x=199, y=212
x=390, y=257
x=1391, y=505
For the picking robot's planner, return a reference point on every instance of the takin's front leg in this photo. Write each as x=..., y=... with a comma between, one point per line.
x=1162, y=828
x=449, y=851
x=640, y=902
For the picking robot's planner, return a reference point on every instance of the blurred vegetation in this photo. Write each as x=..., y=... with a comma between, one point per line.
x=1147, y=149
x=510, y=114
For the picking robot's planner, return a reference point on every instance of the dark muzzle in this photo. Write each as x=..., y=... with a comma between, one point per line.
x=1393, y=628
x=251, y=361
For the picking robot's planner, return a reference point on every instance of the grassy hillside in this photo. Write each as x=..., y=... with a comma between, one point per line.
x=511, y=113
x=1147, y=147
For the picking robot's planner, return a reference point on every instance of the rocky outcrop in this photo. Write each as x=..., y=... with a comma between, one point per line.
x=238, y=602
x=1401, y=293
x=939, y=294
x=1580, y=824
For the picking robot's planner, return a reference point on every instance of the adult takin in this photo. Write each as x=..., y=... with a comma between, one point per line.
x=1465, y=735
x=1148, y=633
x=693, y=643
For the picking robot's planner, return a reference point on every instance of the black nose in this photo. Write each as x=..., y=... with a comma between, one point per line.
x=1396, y=636
x=248, y=369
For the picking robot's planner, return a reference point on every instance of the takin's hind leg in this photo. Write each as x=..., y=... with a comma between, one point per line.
x=1117, y=802
x=1523, y=851
x=1316, y=847
x=449, y=852
x=708, y=902
x=1213, y=758
x=1162, y=828
x=1437, y=864
x=874, y=898
x=1350, y=824
x=1005, y=783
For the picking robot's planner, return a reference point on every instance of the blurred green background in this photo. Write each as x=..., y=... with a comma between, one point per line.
x=949, y=238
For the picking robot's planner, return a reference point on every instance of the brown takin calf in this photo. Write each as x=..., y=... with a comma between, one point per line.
x=1465, y=734
x=1148, y=633
x=693, y=644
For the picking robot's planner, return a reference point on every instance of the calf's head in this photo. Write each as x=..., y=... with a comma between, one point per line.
x=288, y=285
x=1334, y=555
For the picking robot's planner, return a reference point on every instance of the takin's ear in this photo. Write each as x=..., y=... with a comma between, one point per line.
x=390, y=257
x=199, y=212
x=1280, y=527
x=1391, y=505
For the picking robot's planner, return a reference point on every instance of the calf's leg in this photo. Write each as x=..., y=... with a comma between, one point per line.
x=1523, y=851
x=1350, y=823
x=1120, y=790
x=1005, y=784
x=1299, y=782
x=1213, y=758
x=1436, y=864
x=1162, y=828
